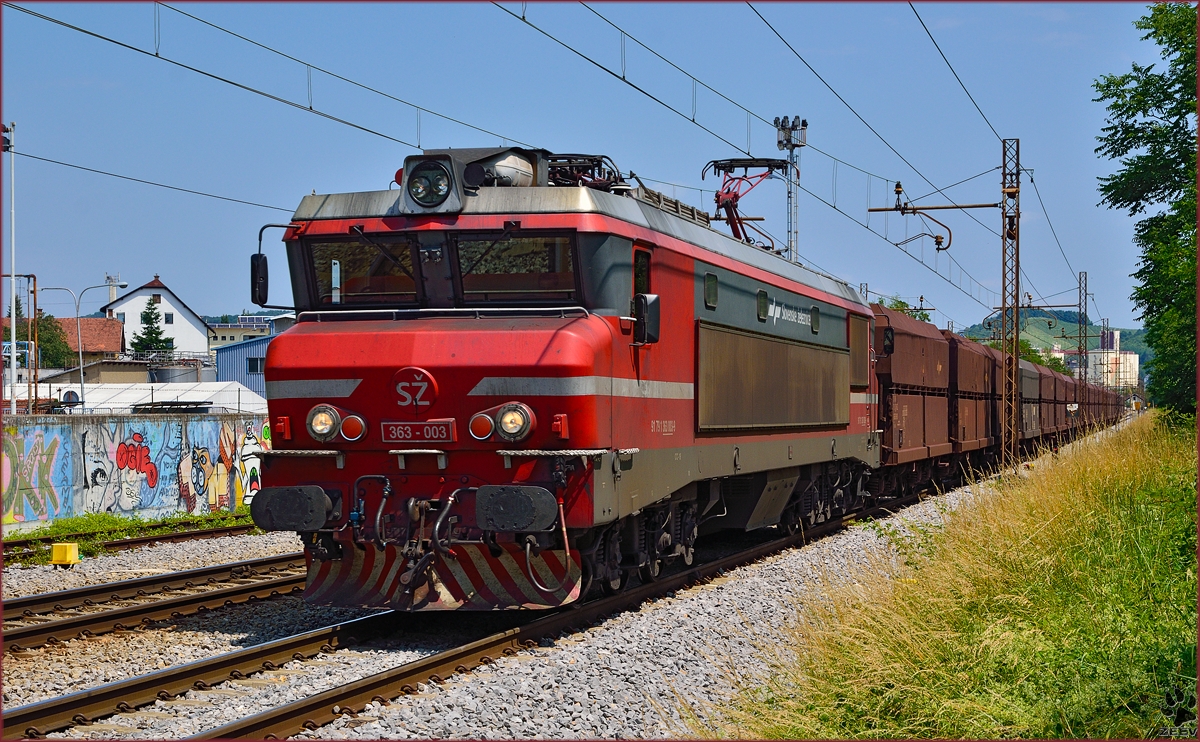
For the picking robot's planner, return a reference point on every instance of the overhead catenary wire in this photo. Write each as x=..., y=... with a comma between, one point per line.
x=618, y=76
x=212, y=76
x=696, y=81
x=864, y=121
x=749, y=113
x=954, y=72
x=153, y=183
x=1051, y=224
x=343, y=78
x=989, y=124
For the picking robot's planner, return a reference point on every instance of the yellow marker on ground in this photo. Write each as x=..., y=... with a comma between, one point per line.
x=65, y=555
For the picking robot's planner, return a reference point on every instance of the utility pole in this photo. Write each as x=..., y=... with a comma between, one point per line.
x=1010, y=326
x=10, y=139
x=1084, y=367
x=790, y=135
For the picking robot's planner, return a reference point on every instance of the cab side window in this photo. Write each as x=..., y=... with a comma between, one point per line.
x=641, y=272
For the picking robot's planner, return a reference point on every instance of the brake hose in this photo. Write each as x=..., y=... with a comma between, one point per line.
x=566, y=552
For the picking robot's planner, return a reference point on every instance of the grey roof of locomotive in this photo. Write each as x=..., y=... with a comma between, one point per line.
x=578, y=200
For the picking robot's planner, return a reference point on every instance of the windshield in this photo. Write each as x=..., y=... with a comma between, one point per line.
x=443, y=269
x=498, y=270
x=356, y=273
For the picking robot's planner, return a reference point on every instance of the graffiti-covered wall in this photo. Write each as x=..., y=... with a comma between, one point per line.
x=150, y=466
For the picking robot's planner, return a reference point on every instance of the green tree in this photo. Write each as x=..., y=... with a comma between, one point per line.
x=900, y=305
x=53, y=348
x=1035, y=355
x=151, y=335
x=20, y=310
x=1151, y=131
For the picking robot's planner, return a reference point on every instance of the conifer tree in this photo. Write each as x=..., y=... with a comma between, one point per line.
x=151, y=335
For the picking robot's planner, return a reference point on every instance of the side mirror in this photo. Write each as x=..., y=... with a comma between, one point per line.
x=258, y=279
x=889, y=341
x=645, y=319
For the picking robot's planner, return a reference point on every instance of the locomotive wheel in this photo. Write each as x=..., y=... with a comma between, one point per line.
x=614, y=586
x=650, y=572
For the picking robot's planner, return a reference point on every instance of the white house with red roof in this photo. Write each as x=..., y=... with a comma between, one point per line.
x=178, y=322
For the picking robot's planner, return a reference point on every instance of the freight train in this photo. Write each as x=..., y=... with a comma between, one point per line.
x=519, y=376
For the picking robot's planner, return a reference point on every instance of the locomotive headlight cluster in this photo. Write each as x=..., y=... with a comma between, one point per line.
x=514, y=421
x=323, y=422
x=429, y=183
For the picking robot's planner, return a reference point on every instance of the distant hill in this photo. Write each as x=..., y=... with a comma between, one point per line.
x=1035, y=329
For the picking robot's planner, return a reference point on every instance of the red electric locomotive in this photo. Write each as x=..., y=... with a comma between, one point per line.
x=519, y=374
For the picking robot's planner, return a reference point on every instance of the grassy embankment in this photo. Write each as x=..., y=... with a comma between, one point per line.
x=91, y=530
x=1062, y=604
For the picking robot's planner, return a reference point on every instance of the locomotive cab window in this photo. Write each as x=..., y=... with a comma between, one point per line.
x=641, y=272
x=710, y=290
x=356, y=274
x=527, y=268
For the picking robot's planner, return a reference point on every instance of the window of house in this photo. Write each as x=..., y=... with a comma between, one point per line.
x=168, y=318
x=156, y=298
x=121, y=317
x=255, y=365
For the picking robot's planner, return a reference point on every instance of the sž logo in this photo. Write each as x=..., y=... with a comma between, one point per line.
x=416, y=389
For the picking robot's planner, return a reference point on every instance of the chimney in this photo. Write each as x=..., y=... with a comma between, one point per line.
x=112, y=282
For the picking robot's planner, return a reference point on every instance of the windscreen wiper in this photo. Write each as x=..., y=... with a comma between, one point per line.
x=357, y=230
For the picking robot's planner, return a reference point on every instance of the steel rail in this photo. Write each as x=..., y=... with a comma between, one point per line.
x=85, y=706
x=31, y=605
x=322, y=708
x=130, y=616
x=54, y=714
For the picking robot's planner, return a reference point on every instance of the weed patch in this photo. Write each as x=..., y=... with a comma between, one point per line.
x=1059, y=604
x=91, y=530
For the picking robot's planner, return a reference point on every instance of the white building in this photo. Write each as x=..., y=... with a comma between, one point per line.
x=178, y=322
x=1108, y=365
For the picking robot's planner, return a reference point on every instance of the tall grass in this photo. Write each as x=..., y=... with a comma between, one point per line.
x=1061, y=604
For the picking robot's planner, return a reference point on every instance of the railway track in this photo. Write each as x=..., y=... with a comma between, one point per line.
x=84, y=707
x=34, y=620
x=25, y=548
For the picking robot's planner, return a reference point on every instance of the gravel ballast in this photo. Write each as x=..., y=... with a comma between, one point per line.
x=146, y=561
x=629, y=676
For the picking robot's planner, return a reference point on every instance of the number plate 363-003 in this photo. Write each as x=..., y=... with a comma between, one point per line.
x=430, y=431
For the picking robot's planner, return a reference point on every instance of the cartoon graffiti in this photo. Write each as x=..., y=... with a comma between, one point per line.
x=140, y=465
x=99, y=479
x=29, y=488
x=249, y=464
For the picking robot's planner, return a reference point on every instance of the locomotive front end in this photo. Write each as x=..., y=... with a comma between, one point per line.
x=435, y=410
x=423, y=461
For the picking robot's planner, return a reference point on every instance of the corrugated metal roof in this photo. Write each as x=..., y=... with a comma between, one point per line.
x=231, y=395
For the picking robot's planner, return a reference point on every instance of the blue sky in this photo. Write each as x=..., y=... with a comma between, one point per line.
x=1029, y=66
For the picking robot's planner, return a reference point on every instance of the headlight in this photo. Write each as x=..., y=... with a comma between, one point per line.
x=323, y=422
x=514, y=421
x=419, y=188
x=429, y=183
x=441, y=185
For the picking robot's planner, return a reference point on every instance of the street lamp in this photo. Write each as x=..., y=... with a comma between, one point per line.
x=79, y=326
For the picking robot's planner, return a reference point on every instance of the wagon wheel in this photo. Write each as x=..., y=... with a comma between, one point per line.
x=651, y=571
x=615, y=578
x=614, y=585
